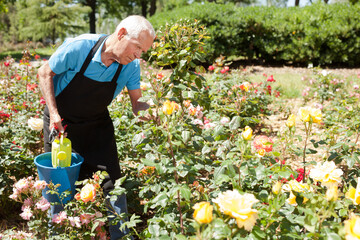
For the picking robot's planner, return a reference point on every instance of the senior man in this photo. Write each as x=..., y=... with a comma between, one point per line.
x=80, y=80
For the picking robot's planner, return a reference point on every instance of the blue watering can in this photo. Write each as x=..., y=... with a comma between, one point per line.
x=65, y=176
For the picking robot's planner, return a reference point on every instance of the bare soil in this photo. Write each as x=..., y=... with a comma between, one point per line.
x=257, y=69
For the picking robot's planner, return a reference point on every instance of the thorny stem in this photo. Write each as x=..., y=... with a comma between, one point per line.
x=357, y=139
x=307, y=131
x=242, y=159
x=177, y=182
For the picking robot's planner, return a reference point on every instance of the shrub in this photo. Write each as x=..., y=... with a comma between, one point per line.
x=320, y=34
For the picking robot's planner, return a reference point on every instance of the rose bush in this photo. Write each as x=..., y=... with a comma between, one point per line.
x=207, y=166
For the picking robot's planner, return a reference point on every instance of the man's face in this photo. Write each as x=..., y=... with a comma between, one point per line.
x=128, y=49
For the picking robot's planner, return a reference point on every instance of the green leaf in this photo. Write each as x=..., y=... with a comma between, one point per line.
x=148, y=162
x=332, y=236
x=260, y=172
x=182, y=63
x=137, y=139
x=161, y=199
x=221, y=178
x=260, y=234
x=221, y=229
x=235, y=123
x=350, y=161
x=263, y=195
x=185, y=192
x=183, y=52
x=343, y=212
x=198, y=82
x=218, y=130
x=206, y=149
x=181, y=86
x=185, y=136
x=180, y=237
x=96, y=224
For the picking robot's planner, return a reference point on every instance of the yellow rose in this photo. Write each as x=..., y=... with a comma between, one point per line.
x=327, y=173
x=308, y=113
x=316, y=115
x=144, y=86
x=88, y=193
x=238, y=206
x=276, y=187
x=245, y=86
x=261, y=152
x=169, y=107
x=332, y=193
x=295, y=186
x=304, y=114
x=36, y=124
x=247, y=134
x=292, y=199
x=203, y=212
x=354, y=194
x=352, y=227
x=291, y=121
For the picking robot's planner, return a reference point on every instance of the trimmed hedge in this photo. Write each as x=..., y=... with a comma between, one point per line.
x=320, y=34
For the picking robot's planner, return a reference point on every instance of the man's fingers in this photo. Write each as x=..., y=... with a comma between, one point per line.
x=55, y=121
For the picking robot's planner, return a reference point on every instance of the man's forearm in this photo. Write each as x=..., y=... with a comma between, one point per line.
x=46, y=75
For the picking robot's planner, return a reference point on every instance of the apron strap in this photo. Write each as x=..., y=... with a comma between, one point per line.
x=91, y=54
x=116, y=76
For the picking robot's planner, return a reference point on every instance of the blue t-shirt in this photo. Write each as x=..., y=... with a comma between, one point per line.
x=70, y=56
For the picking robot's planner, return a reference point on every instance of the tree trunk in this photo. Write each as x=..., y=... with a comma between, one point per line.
x=92, y=17
x=53, y=35
x=297, y=3
x=152, y=7
x=326, y=1
x=143, y=7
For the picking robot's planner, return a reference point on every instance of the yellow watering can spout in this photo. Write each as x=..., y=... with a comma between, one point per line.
x=61, y=152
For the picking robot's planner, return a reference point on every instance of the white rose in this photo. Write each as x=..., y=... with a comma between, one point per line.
x=36, y=124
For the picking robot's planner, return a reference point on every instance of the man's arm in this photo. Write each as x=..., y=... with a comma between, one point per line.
x=46, y=83
x=137, y=105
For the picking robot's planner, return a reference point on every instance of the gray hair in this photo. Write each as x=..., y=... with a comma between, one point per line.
x=134, y=25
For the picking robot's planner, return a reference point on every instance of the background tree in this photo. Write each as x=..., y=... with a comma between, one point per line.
x=123, y=8
x=49, y=19
x=237, y=2
x=3, y=7
x=93, y=5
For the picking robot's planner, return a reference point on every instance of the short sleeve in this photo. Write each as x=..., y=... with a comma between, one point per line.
x=67, y=57
x=134, y=79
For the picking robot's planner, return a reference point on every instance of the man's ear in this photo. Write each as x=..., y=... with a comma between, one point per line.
x=121, y=33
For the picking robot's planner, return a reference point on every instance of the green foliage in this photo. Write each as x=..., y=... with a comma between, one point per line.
x=319, y=34
x=194, y=149
x=180, y=46
x=38, y=19
x=235, y=95
x=20, y=100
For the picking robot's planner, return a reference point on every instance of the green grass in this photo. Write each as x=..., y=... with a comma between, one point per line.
x=45, y=52
x=289, y=85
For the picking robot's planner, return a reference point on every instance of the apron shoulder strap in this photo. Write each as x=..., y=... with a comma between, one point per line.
x=91, y=54
x=118, y=71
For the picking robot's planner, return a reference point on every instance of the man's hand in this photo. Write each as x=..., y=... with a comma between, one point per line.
x=55, y=122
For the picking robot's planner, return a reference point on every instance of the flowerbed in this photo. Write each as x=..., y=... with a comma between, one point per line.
x=206, y=167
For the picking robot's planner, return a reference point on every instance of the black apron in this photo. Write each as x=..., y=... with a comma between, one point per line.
x=83, y=107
